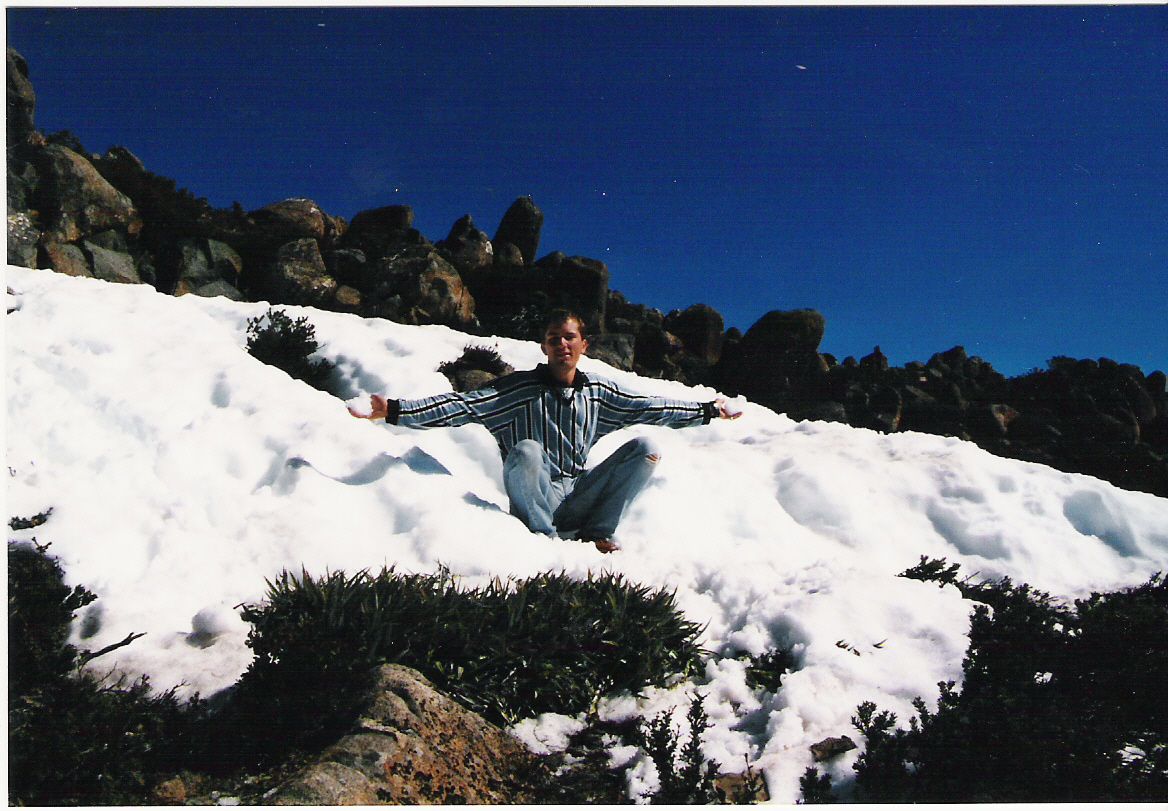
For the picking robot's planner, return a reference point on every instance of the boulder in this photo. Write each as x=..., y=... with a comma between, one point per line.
x=506, y=255
x=203, y=261
x=700, y=328
x=466, y=247
x=346, y=300
x=502, y=292
x=20, y=106
x=22, y=240
x=298, y=275
x=293, y=219
x=383, y=231
x=23, y=180
x=347, y=265
x=777, y=362
x=413, y=745
x=617, y=349
x=76, y=201
x=65, y=258
x=417, y=286
x=217, y=288
x=794, y=332
x=521, y=226
x=109, y=265
x=654, y=346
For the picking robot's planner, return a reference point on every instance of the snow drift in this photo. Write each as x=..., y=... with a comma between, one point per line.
x=182, y=473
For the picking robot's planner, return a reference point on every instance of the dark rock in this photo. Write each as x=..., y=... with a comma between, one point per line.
x=111, y=266
x=886, y=408
x=831, y=747
x=653, y=346
x=23, y=181
x=65, y=258
x=521, y=226
x=294, y=219
x=418, y=286
x=466, y=247
x=777, y=363
x=413, y=745
x=826, y=411
x=924, y=413
x=22, y=240
x=298, y=276
x=348, y=266
x=346, y=300
x=76, y=201
x=790, y=332
x=700, y=328
x=111, y=241
x=990, y=420
x=382, y=231
x=874, y=365
x=575, y=282
x=20, y=106
x=617, y=349
x=507, y=255
x=217, y=288
x=202, y=261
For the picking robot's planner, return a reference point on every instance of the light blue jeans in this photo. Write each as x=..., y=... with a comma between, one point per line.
x=588, y=507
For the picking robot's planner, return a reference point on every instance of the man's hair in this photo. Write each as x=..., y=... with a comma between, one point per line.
x=559, y=316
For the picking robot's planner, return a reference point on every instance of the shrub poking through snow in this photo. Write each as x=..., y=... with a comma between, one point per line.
x=509, y=650
x=1057, y=704
x=277, y=340
x=74, y=739
x=685, y=777
x=476, y=366
x=766, y=671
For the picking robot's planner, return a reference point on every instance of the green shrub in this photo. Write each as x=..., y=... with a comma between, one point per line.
x=1058, y=704
x=476, y=357
x=508, y=650
x=766, y=671
x=685, y=777
x=277, y=340
x=74, y=739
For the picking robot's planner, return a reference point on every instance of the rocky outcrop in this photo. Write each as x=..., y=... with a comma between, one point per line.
x=521, y=226
x=20, y=106
x=382, y=231
x=75, y=200
x=778, y=362
x=466, y=247
x=413, y=745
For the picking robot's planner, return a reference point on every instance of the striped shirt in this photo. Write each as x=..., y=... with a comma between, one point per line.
x=566, y=421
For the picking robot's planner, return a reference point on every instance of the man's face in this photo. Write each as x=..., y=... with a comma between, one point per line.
x=563, y=344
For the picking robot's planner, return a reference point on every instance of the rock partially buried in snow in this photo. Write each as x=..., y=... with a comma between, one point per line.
x=413, y=745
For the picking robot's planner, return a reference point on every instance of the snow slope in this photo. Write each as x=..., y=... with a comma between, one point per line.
x=182, y=473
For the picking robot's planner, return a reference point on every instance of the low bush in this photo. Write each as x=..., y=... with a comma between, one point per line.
x=74, y=739
x=685, y=777
x=277, y=339
x=509, y=650
x=1059, y=703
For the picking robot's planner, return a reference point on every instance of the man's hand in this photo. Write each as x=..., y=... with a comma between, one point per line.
x=724, y=412
x=380, y=409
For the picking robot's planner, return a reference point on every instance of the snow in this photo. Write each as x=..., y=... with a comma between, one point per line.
x=182, y=473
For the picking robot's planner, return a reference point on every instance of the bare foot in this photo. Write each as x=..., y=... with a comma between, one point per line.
x=606, y=546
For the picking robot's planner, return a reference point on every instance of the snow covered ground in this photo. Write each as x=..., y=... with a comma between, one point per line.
x=182, y=473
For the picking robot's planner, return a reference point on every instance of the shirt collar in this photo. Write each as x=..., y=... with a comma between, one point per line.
x=545, y=377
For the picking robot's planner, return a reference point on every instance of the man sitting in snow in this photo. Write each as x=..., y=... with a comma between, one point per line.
x=546, y=420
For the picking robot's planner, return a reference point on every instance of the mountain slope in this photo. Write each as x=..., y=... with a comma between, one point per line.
x=182, y=473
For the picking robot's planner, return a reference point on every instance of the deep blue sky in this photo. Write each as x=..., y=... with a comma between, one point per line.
x=995, y=177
